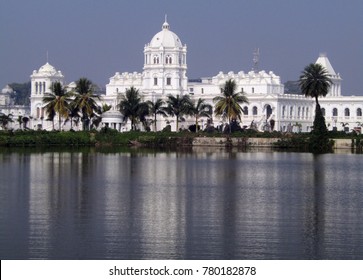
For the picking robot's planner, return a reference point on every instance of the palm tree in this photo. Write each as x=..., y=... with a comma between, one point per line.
x=57, y=102
x=228, y=105
x=132, y=107
x=178, y=106
x=156, y=108
x=86, y=100
x=315, y=81
x=201, y=109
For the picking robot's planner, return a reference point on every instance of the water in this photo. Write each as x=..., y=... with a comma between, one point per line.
x=180, y=205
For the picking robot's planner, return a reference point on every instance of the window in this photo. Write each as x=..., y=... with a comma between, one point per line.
x=191, y=89
x=283, y=111
x=298, y=112
x=155, y=81
x=291, y=111
x=346, y=112
x=202, y=90
x=168, y=81
x=242, y=90
x=36, y=87
x=359, y=112
x=253, y=90
x=335, y=112
x=245, y=110
x=323, y=111
x=254, y=111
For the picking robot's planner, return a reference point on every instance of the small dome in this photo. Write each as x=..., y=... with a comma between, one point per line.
x=112, y=114
x=166, y=38
x=47, y=68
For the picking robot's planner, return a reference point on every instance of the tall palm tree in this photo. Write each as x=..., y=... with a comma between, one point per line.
x=86, y=100
x=57, y=102
x=178, y=106
x=201, y=109
x=156, y=108
x=132, y=107
x=228, y=104
x=315, y=81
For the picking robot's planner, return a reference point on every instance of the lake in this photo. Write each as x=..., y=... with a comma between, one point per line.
x=194, y=204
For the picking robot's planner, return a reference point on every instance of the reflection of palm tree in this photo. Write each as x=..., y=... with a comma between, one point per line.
x=228, y=103
x=178, y=106
x=57, y=102
x=86, y=100
x=156, y=108
x=200, y=109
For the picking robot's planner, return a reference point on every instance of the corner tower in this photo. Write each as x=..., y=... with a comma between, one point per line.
x=335, y=89
x=41, y=82
x=165, y=65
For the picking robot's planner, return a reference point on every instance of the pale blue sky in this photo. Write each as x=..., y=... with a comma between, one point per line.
x=96, y=38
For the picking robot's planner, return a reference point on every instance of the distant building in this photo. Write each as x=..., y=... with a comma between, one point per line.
x=165, y=72
x=8, y=107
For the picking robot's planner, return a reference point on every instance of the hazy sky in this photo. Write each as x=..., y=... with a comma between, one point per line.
x=97, y=38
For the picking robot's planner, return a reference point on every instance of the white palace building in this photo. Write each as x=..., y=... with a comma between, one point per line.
x=165, y=72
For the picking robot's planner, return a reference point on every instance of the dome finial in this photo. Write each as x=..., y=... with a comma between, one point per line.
x=166, y=24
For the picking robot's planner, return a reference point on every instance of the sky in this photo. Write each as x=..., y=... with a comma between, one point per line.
x=96, y=38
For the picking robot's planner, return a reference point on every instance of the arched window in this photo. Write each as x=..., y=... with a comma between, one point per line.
x=38, y=112
x=253, y=90
x=359, y=112
x=40, y=87
x=254, y=111
x=346, y=112
x=291, y=111
x=283, y=111
x=335, y=112
x=44, y=87
x=245, y=110
x=307, y=112
x=298, y=112
x=36, y=87
x=323, y=111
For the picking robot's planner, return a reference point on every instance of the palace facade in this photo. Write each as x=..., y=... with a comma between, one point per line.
x=165, y=72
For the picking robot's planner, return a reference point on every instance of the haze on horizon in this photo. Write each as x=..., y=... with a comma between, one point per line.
x=95, y=39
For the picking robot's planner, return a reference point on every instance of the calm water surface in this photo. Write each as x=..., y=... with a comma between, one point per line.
x=180, y=205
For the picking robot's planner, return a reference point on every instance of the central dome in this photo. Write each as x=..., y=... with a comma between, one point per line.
x=47, y=68
x=166, y=38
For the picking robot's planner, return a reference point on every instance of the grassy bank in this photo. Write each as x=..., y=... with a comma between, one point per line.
x=110, y=137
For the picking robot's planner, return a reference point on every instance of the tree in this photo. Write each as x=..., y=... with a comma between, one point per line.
x=5, y=120
x=20, y=121
x=58, y=102
x=86, y=101
x=156, y=108
x=228, y=104
x=315, y=82
x=132, y=107
x=178, y=106
x=201, y=109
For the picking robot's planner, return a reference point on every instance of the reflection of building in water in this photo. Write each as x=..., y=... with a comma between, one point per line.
x=165, y=72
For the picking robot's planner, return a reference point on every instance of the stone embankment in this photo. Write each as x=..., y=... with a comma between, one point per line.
x=255, y=142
